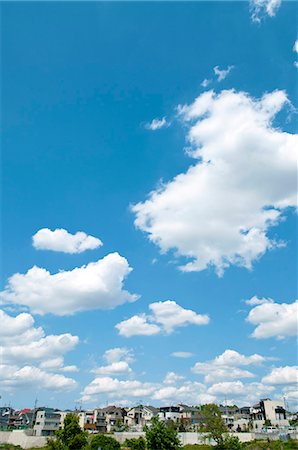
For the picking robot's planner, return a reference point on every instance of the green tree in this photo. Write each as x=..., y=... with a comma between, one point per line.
x=71, y=437
x=104, y=443
x=135, y=444
x=213, y=423
x=161, y=437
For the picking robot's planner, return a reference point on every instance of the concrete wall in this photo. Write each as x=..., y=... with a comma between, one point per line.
x=185, y=438
x=20, y=437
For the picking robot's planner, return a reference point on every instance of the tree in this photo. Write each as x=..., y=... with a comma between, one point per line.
x=161, y=437
x=71, y=437
x=213, y=423
x=135, y=444
x=104, y=443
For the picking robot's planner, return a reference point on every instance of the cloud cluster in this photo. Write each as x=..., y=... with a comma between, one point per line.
x=261, y=8
x=277, y=320
x=227, y=366
x=118, y=360
x=30, y=358
x=282, y=376
x=97, y=285
x=61, y=240
x=219, y=212
x=165, y=317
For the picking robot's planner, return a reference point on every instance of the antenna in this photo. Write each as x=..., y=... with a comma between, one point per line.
x=35, y=403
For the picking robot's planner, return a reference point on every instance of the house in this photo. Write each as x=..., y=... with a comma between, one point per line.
x=24, y=418
x=169, y=413
x=47, y=422
x=139, y=416
x=189, y=415
x=271, y=411
x=100, y=420
x=5, y=413
x=114, y=416
x=86, y=420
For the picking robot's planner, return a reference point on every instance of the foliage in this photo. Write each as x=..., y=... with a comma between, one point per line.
x=71, y=437
x=10, y=447
x=104, y=443
x=271, y=445
x=161, y=437
x=213, y=423
x=197, y=447
x=231, y=443
x=267, y=423
x=135, y=444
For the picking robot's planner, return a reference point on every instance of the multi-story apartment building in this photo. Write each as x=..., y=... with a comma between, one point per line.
x=47, y=422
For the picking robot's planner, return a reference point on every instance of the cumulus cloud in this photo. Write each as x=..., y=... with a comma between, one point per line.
x=137, y=326
x=222, y=73
x=166, y=316
x=116, y=388
x=174, y=389
x=113, y=368
x=295, y=48
x=119, y=354
x=157, y=124
x=29, y=357
x=182, y=354
x=262, y=8
x=118, y=360
x=277, y=320
x=282, y=375
x=29, y=377
x=253, y=301
x=97, y=285
x=172, y=378
x=227, y=366
x=61, y=240
x=219, y=212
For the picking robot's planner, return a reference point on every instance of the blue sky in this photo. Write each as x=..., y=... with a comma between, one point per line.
x=82, y=84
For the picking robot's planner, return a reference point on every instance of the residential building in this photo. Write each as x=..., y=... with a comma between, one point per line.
x=47, y=422
x=169, y=413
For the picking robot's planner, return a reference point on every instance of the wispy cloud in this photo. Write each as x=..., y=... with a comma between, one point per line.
x=157, y=124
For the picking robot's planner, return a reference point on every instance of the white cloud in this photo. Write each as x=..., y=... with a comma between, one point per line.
x=222, y=73
x=282, y=375
x=29, y=377
x=157, y=124
x=170, y=316
x=174, y=389
x=226, y=366
x=242, y=158
x=115, y=388
x=182, y=354
x=98, y=285
x=274, y=320
x=166, y=316
x=295, y=48
x=137, y=326
x=11, y=326
x=253, y=301
x=61, y=240
x=262, y=8
x=118, y=360
x=24, y=347
x=172, y=378
x=113, y=368
x=206, y=82
x=227, y=387
x=119, y=354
